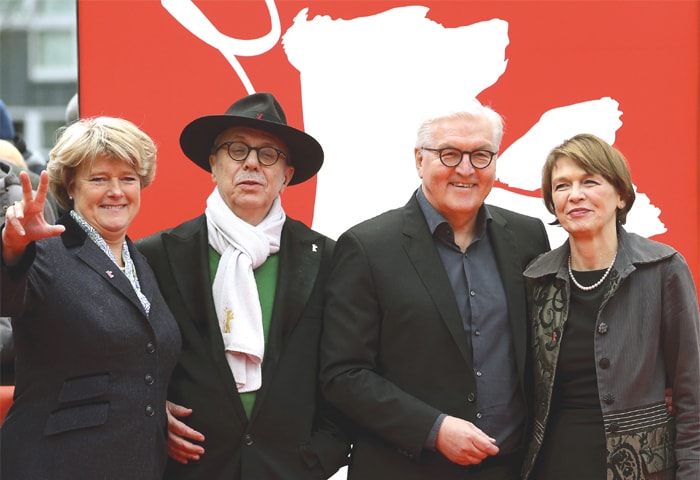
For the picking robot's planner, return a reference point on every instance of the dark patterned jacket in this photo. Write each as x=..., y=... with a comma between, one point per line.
x=647, y=337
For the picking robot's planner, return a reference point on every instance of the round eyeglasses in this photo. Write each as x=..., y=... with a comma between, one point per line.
x=451, y=157
x=239, y=151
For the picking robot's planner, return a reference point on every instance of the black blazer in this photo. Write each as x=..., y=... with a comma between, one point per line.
x=289, y=434
x=394, y=351
x=91, y=367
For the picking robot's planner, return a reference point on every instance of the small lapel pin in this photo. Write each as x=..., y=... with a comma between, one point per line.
x=314, y=247
x=109, y=273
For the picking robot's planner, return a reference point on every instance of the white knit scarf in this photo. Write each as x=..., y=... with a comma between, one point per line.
x=243, y=247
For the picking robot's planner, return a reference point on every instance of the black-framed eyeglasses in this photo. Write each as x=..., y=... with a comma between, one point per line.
x=451, y=157
x=239, y=151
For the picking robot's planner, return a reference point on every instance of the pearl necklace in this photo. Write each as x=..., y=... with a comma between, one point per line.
x=596, y=284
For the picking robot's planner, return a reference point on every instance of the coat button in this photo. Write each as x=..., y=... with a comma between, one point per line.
x=471, y=397
x=150, y=347
x=148, y=379
x=478, y=415
x=248, y=439
x=613, y=427
x=604, y=363
x=150, y=411
x=609, y=398
x=405, y=453
x=603, y=328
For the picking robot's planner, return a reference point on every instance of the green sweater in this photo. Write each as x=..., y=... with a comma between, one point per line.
x=266, y=280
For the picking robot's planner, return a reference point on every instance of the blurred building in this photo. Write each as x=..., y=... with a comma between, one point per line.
x=38, y=66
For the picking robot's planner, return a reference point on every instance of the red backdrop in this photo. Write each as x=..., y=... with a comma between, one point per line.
x=137, y=61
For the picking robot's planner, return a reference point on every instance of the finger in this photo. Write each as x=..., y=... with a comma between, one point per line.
x=478, y=455
x=176, y=427
x=55, y=230
x=485, y=447
x=177, y=456
x=184, y=448
x=188, y=449
x=177, y=410
x=179, y=428
x=18, y=209
x=13, y=219
x=43, y=187
x=27, y=186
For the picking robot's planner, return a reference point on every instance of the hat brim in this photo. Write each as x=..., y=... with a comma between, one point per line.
x=306, y=154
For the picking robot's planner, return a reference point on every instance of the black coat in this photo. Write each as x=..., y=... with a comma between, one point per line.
x=91, y=367
x=394, y=353
x=290, y=435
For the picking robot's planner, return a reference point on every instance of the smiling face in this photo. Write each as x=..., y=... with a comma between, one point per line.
x=107, y=194
x=457, y=192
x=585, y=204
x=248, y=187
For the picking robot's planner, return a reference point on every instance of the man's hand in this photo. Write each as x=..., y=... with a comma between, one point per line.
x=463, y=443
x=180, y=448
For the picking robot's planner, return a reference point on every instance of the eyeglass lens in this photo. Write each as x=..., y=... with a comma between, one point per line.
x=451, y=157
x=267, y=156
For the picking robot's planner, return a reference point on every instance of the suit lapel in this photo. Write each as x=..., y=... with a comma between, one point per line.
x=97, y=260
x=75, y=238
x=301, y=252
x=187, y=250
x=504, y=244
x=419, y=246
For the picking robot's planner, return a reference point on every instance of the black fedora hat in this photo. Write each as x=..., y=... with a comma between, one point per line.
x=262, y=112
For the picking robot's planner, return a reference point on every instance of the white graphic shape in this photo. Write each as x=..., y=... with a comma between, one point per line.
x=192, y=18
x=520, y=165
x=365, y=83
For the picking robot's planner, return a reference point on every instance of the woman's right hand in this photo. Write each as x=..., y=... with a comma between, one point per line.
x=24, y=220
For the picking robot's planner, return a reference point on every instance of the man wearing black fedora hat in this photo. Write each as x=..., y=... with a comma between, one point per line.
x=245, y=283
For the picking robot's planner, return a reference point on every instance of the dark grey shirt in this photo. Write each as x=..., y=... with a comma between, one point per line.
x=481, y=299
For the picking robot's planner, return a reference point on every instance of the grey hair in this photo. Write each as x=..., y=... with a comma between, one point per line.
x=474, y=110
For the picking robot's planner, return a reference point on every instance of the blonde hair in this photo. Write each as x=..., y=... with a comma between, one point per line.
x=10, y=153
x=82, y=142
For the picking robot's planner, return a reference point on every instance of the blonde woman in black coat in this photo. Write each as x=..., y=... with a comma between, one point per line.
x=95, y=343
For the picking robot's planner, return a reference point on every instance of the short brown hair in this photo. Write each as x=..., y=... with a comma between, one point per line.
x=595, y=156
